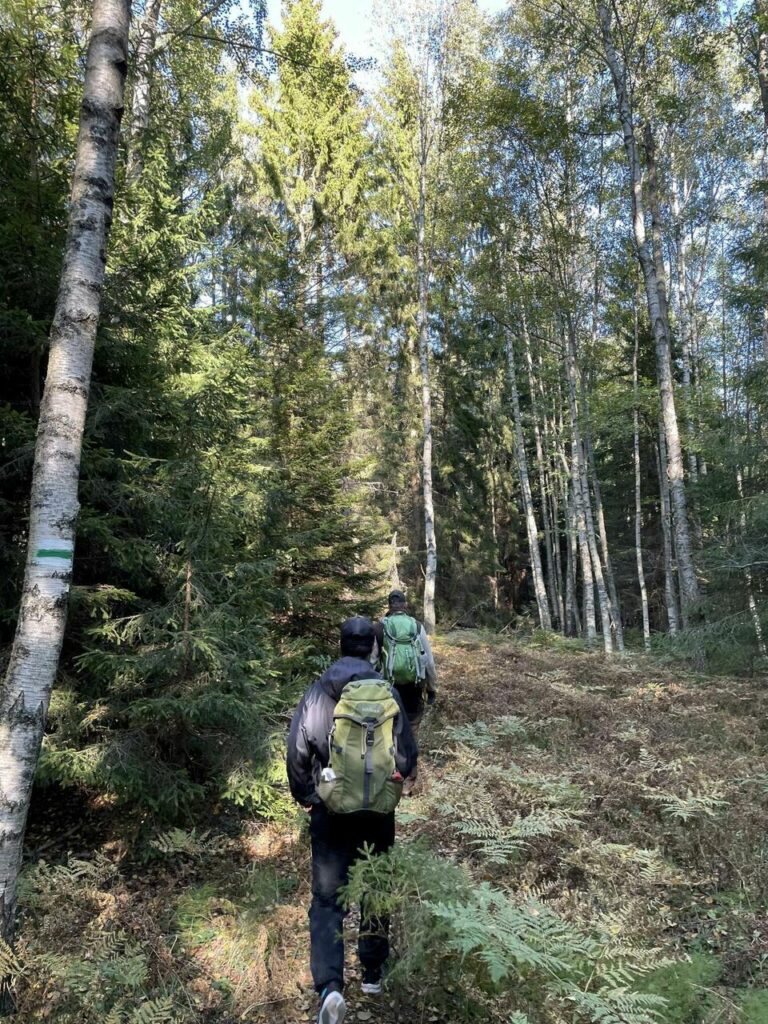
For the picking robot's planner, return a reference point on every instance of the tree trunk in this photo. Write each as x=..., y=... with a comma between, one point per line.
x=752, y=604
x=553, y=588
x=670, y=587
x=540, y=590
x=638, y=496
x=761, y=9
x=680, y=291
x=493, y=579
x=142, y=87
x=657, y=308
x=610, y=579
x=592, y=572
x=571, y=608
x=54, y=504
x=422, y=274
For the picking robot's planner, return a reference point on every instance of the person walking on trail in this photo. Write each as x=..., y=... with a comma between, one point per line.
x=350, y=747
x=403, y=654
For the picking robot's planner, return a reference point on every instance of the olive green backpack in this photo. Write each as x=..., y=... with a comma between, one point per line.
x=362, y=774
x=402, y=659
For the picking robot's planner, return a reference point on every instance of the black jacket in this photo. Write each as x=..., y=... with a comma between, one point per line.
x=313, y=720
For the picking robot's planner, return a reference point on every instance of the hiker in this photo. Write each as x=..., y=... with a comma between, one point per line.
x=351, y=797
x=403, y=654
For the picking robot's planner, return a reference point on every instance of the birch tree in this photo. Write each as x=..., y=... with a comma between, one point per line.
x=532, y=529
x=655, y=287
x=26, y=689
x=142, y=85
x=426, y=39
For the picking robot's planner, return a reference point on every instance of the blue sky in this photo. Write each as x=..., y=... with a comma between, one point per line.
x=353, y=19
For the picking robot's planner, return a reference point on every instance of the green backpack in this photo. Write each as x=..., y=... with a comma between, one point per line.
x=402, y=657
x=362, y=773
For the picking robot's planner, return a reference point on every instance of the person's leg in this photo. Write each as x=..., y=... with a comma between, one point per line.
x=373, y=941
x=412, y=698
x=330, y=868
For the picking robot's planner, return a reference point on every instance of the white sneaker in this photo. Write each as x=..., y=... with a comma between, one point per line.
x=333, y=1009
x=371, y=988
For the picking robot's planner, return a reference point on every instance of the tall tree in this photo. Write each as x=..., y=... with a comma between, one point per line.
x=427, y=61
x=649, y=257
x=54, y=506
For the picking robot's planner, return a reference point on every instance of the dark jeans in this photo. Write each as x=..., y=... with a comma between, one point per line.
x=413, y=702
x=336, y=842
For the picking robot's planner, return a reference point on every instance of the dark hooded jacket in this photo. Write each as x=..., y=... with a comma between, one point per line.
x=312, y=722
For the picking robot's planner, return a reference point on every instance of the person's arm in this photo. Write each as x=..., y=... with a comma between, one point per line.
x=407, y=751
x=429, y=663
x=378, y=644
x=299, y=759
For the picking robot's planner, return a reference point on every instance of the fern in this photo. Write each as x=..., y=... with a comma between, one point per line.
x=615, y=1005
x=156, y=1011
x=480, y=735
x=689, y=807
x=528, y=941
x=176, y=841
x=498, y=842
x=608, y=859
x=10, y=965
x=476, y=735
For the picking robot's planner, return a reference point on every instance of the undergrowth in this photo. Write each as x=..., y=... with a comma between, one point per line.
x=587, y=844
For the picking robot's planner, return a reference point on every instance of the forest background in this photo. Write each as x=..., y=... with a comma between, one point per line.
x=496, y=331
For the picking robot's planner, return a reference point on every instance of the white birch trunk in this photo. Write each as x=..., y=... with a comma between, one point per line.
x=142, y=87
x=54, y=506
x=680, y=292
x=540, y=590
x=551, y=444
x=752, y=604
x=422, y=274
x=553, y=589
x=571, y=607
x=656, y=297
x=670, y=586
x=593, y=572
x=638, y=495
x=761, y=9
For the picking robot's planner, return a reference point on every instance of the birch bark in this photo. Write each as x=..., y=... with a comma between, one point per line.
x=657, y=309
x=602, y=532
x=680, y=292
x=592, y=569
x=638, y=493
x=752, y=604
x=670, y=586
x=761, y=9
x=26, y=689
x=553, y=589
x=422, y=325
x=540, y=590
x=139, y=121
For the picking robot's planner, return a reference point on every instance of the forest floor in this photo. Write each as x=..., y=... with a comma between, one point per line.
x=644, y=790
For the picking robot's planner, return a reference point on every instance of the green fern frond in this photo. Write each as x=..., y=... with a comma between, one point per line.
x=156, y=1011
x=498, y=842
x=689, y=807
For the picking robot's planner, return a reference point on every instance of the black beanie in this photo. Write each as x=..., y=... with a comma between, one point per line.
x=357, y=637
